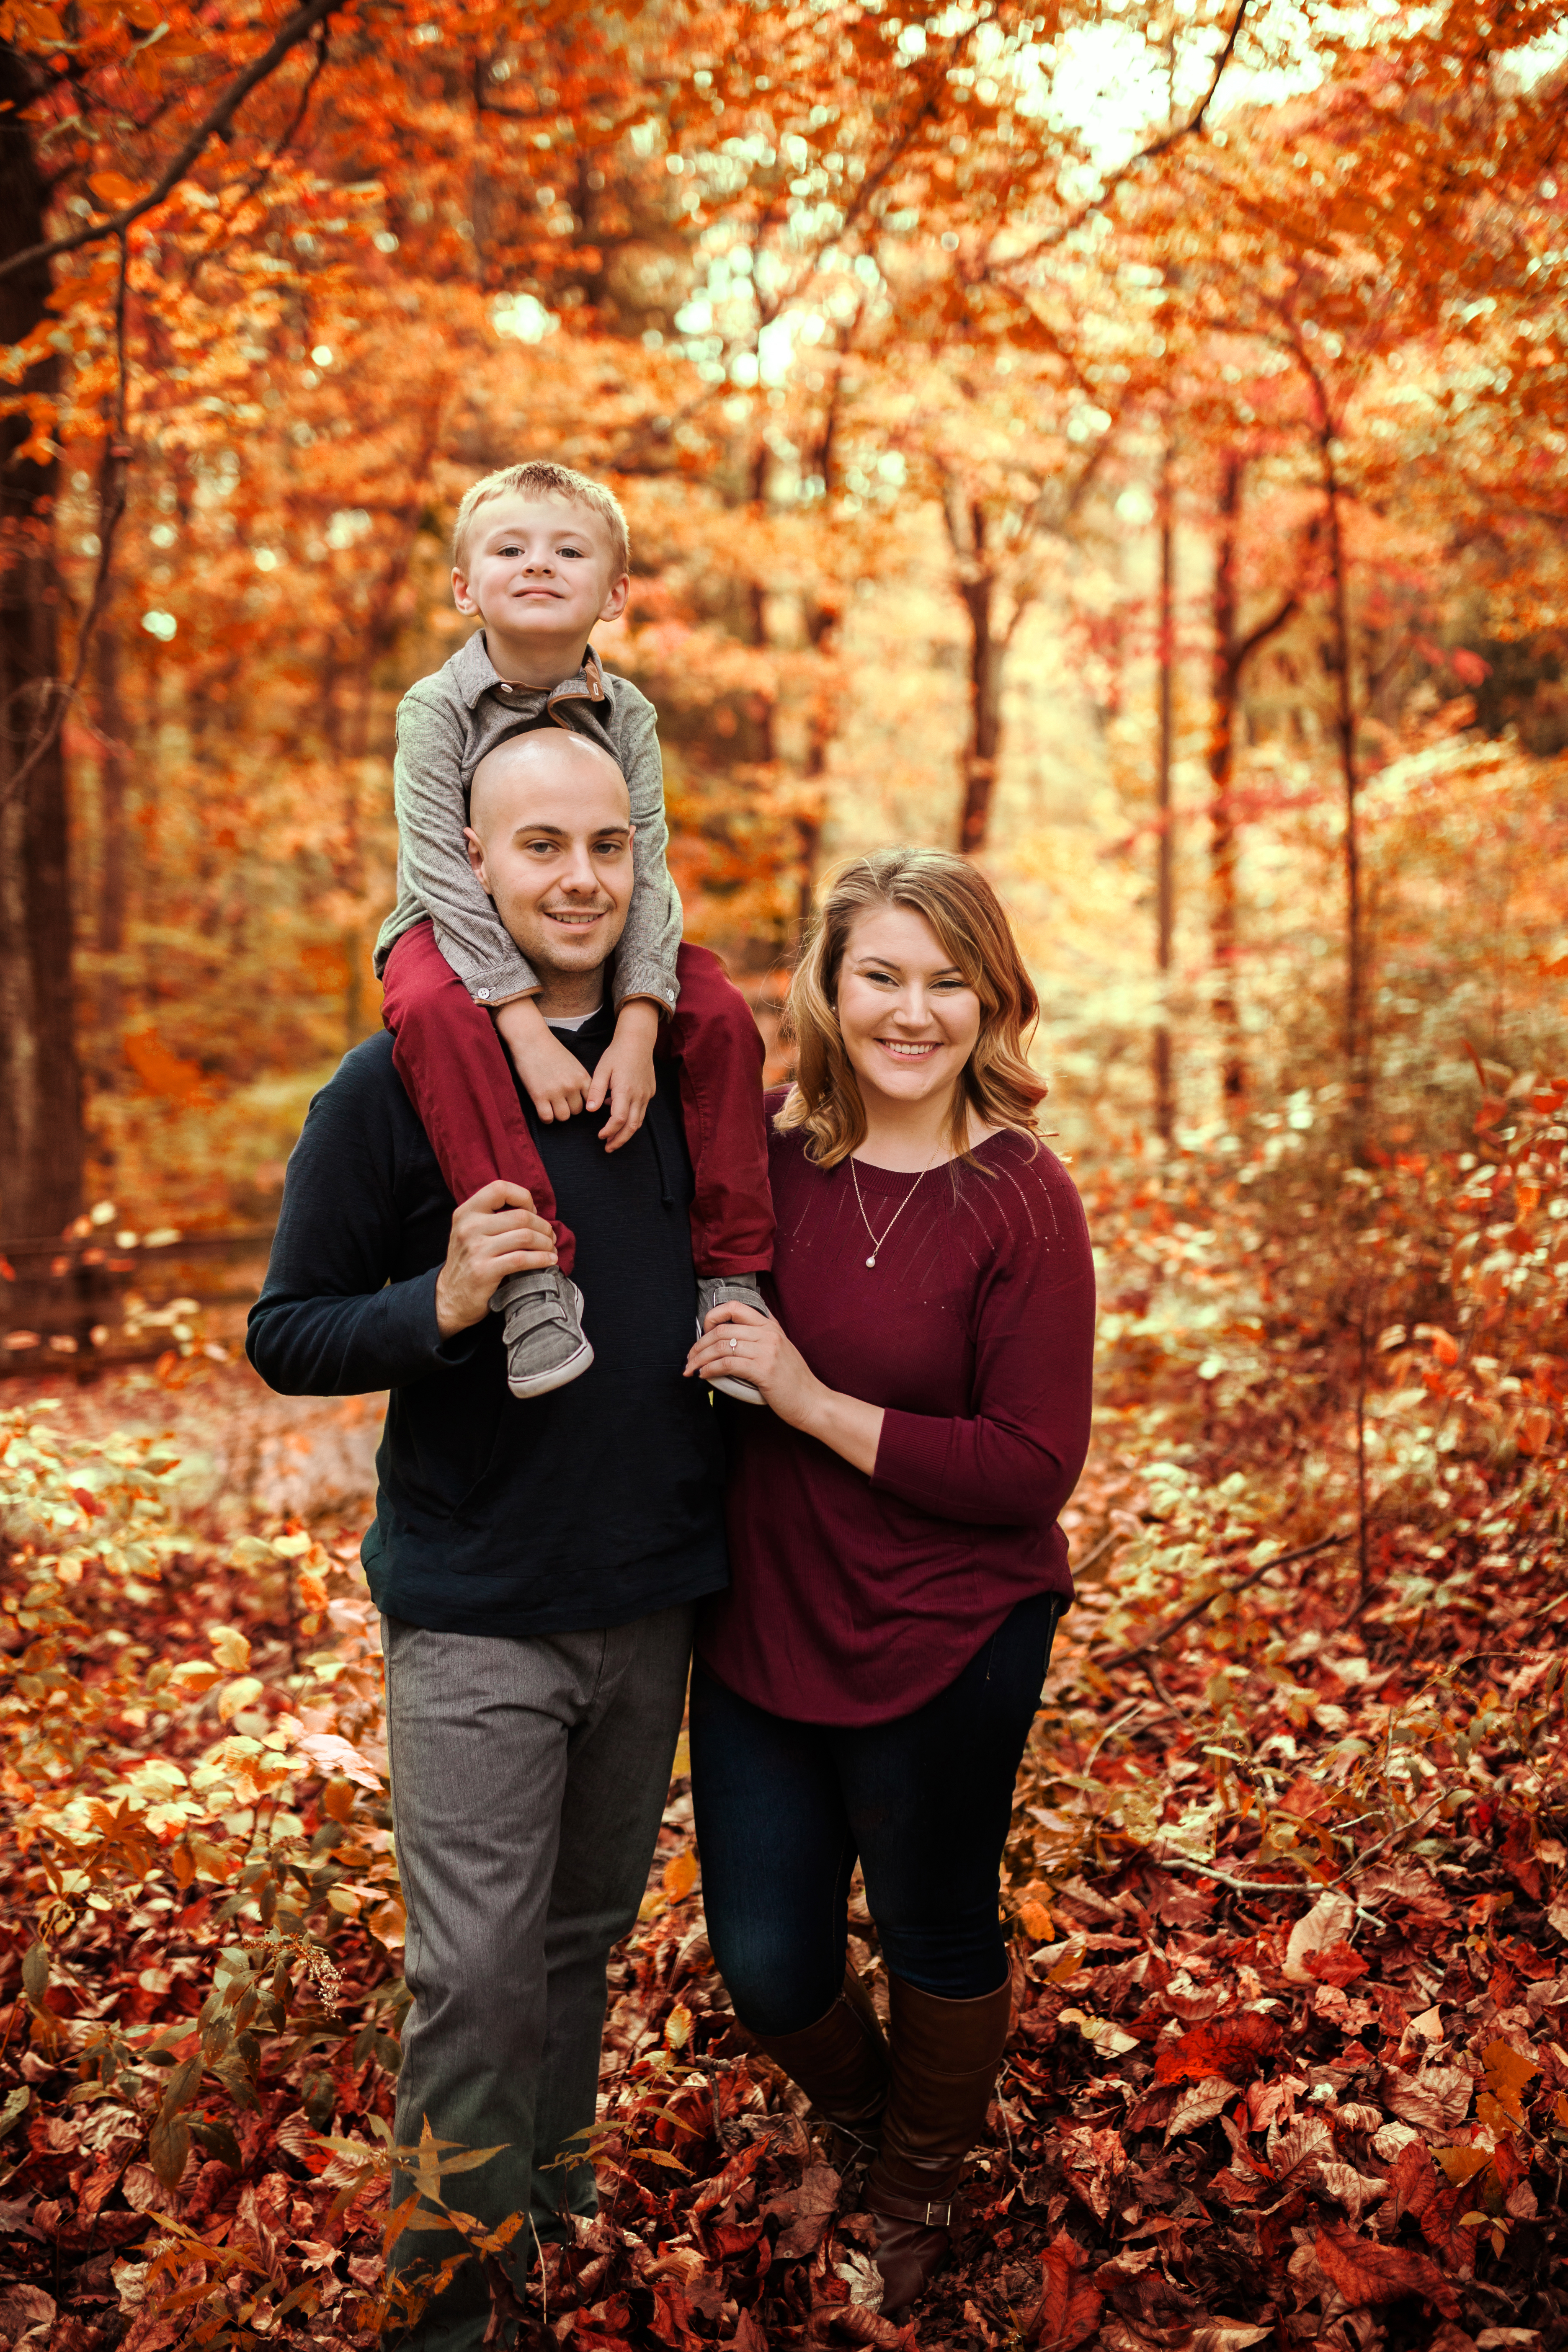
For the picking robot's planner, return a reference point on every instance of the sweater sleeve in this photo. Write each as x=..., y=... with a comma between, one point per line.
x=428, y=793
x=645, y=958
x=330, y=1320
x=1017, y=1459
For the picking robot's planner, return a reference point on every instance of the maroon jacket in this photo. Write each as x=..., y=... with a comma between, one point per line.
x=855, y=1600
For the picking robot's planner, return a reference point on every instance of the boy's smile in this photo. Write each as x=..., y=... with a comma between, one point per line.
x=538, y=572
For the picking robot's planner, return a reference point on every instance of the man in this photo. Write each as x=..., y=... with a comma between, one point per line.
x=536, y=1562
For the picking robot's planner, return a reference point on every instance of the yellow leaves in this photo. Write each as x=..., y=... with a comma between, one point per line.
x=193, y=1679
x=1104, y=2035
x=239, y=1695
x=678, y=2026
x=229, y=1647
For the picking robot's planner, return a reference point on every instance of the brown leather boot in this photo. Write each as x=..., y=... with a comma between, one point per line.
x=945, y=2056
x=841, y=2062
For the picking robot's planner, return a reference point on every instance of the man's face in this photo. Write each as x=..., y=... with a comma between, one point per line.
x=540, y=568
x=552, y=843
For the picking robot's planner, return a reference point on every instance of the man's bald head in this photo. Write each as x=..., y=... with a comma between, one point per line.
x=526, y=769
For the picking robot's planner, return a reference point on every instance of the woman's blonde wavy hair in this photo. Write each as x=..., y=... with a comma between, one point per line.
x=971, y=922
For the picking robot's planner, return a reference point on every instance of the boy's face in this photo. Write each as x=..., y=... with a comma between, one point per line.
x=538, y=573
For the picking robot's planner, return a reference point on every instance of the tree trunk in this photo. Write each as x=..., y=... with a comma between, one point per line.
x=41, y=1146
x=987, y=653
x=111, y=886
x=1165, y=1076
x=1225, y=681
x=1357, y=1042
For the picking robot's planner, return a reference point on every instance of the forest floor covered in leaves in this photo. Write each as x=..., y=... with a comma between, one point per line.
x=1287, y=1888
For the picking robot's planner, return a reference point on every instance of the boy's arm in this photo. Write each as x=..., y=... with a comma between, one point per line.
x=427, y=789
x=644, y=960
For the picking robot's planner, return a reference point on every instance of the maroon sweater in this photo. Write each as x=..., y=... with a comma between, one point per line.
x=855, y=1599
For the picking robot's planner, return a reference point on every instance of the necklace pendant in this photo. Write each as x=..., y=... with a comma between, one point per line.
x=871, y=1261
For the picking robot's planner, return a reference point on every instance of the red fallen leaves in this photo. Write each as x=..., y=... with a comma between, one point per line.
x=1068, y=2310
x=1367, y=2273
x=1339, y=1964
x=1235, y=2047
x=855, y=2325
x=1414, y=2187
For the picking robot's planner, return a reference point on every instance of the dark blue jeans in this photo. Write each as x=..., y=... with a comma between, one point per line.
x=784, y=1810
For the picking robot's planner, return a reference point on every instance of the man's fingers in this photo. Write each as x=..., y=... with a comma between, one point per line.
x=500, y=1194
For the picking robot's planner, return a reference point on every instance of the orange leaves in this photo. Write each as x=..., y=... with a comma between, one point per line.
x=163, y=1072
x=1235, y=2047
x=1509, y=2072
x=113, y=191
x=679, y=1875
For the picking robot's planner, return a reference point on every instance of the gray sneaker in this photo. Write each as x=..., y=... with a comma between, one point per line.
x=725, y=1290
x=543, y=1331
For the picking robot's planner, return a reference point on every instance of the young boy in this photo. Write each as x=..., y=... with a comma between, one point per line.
x=538, y=555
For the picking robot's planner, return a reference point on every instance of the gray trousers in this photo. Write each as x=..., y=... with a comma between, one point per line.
x=528, y=1779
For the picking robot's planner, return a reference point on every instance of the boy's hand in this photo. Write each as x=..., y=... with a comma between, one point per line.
x=496, y=1234
x=624, y=1072
x=555, y=1081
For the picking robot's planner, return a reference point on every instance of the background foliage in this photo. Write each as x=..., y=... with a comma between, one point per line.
x=1131, y=443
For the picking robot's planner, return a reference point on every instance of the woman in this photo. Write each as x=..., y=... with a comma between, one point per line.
x=864, y=1688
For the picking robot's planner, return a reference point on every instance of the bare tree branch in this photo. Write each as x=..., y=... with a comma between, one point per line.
x=1160, y=146
x=305, y=21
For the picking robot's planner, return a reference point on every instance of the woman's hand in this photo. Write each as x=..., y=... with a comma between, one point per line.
x=751, y=1347
x=736, y=1340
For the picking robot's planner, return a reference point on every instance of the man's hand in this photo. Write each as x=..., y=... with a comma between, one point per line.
x=494, y=1235
x=554, y=1080
x=624, y=1072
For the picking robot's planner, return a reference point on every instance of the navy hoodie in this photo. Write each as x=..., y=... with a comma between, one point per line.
x=597, y=1504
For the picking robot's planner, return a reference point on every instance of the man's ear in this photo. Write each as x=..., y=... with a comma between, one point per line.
x=475, y=849
x=615, y=603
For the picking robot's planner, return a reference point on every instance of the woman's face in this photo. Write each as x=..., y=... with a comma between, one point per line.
x=908, y=1017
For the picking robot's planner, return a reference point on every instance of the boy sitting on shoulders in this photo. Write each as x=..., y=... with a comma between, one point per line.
x=538, y=555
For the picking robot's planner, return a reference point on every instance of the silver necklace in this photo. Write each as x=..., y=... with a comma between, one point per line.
x=877, y=1239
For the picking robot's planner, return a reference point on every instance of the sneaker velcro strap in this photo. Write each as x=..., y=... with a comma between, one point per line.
x=531, y=1314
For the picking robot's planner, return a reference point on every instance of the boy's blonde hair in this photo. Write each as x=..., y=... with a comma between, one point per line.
x=541, y=479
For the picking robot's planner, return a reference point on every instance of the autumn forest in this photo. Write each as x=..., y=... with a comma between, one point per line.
x=1125, y=444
